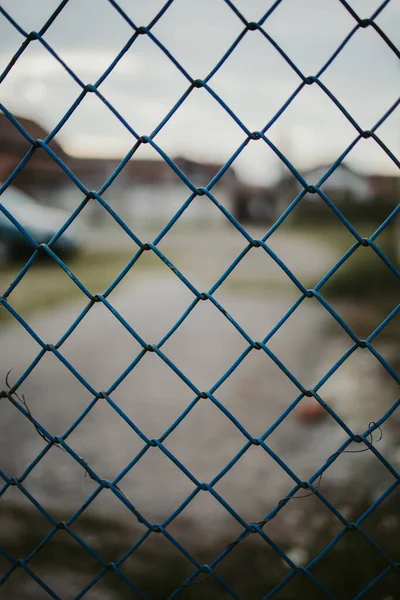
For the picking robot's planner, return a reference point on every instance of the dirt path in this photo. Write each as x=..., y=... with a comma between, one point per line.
x=153, y=396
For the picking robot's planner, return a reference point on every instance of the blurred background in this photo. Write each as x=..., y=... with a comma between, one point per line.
x=200, y=137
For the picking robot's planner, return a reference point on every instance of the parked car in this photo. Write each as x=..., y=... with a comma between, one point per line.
x=40, y=221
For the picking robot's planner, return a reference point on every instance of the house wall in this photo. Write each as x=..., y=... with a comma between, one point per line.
x=342, y=184
x=159, y=202
x=148, y=203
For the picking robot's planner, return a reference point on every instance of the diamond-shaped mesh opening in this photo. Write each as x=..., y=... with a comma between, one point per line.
x=365, y=9
x=257, y=392
x=262, y=66
x=18, y=348
x=300, y=584
x=57, y=405
x=305, y=257
x=322, y=441
x=39, y=79
x=354, y=398
x=305, y=125
x=111, y=585
x=59, y=469
x=104, y=129
x=148, y=485
x=204, y=117
x=386, y=19
x=311, y=54
x=42, y=287
x=201, y=219
x=105, y=425
x=370, y=155
x=100, y=527
x=49, y=191
x=252, y=568
x=117, y=334
x=93, y=57
x=143, y=13
x=203, y=396
x=147, y=212
x=254, y=500
x=157, y=567
x=364, y=54
x=218, y=527
x=155, y=282
x=257, y=166
x=363, y=277
x=205, y=426
x=385, y=586
x=303, y=527
x=359, y=564
x=23, y=527
x=388, y=136
x=29, y=17
x=152, y=383
x=382, y=522
x=302, y=221
x=383, y=343
x=198, y=53
x=65, y=553
x=257, y=269
x=17, y=457
x=100, y=265
x=354, y=466
x=150, y=73
x=308, y=370
x=19, y=582
x=210, y=331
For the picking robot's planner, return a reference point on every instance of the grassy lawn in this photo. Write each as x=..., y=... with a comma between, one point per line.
x=363, y=284
x=364, y=289
x=46, y=284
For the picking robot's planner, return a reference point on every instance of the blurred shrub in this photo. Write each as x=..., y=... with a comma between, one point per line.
x=315, y=211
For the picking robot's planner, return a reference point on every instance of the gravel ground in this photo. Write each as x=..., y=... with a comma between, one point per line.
x=153, y=396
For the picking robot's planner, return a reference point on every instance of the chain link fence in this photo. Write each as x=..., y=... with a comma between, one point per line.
x=354, y=441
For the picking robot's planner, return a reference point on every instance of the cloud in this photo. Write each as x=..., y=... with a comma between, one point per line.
x=255, y=81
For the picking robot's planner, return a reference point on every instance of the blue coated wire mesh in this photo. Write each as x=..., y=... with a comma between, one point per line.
x=10, y=394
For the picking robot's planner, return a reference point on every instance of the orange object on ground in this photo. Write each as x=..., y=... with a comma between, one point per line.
x=310, y=410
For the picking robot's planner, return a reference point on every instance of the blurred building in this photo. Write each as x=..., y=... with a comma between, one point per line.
x=143, y=189
x=343, y=185
x=255, y=204
x=40, y=172
x=356, y=195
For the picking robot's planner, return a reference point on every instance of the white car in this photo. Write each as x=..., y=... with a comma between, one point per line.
x=40, y=221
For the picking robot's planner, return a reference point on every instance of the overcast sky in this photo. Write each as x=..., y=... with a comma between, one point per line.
x=254, y=82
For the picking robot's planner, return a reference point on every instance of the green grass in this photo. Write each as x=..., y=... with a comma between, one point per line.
x=364, y=290
x=46, y=284
x=260, y=288
x=362, y=280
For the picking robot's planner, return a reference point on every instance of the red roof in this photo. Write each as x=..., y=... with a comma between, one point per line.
x=93, y=172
